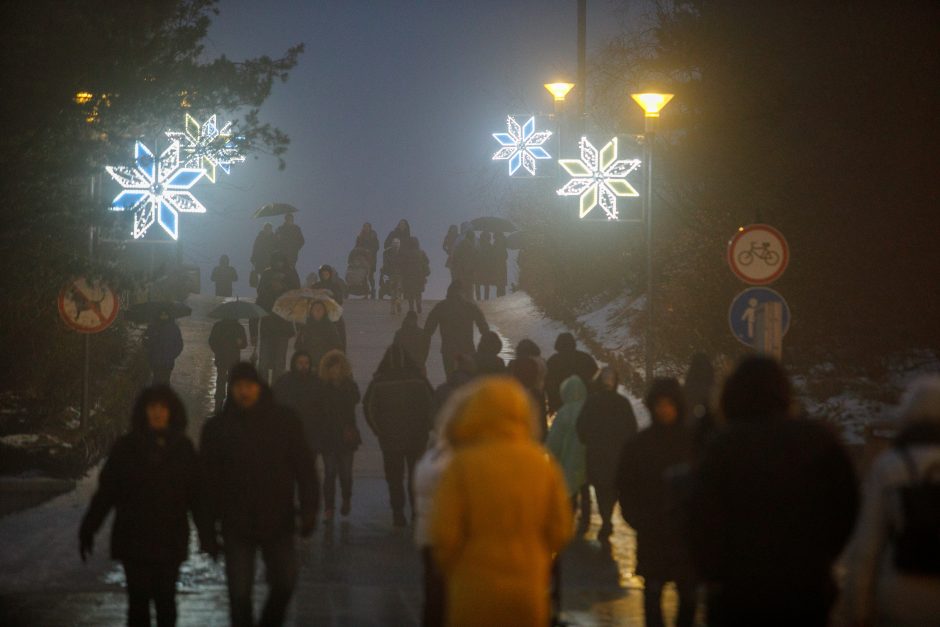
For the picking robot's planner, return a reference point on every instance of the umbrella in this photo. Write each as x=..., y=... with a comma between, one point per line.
x=518, y=240
x=150, y=310
x=494, y=224
x=237, y=310
x=294, y=306
x=275, y=209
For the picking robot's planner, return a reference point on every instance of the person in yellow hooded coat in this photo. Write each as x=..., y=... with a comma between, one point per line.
x=500, y=511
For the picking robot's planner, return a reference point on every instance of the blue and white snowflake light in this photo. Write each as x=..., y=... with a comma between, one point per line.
x=521, y=146
x=599, y=178
x=156, y=190
x=207, y=146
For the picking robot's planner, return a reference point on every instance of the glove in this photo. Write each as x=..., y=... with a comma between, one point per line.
x=86, y=545
x=308, y=525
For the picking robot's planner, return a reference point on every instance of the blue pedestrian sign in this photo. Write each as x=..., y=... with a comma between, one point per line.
x=752, y=309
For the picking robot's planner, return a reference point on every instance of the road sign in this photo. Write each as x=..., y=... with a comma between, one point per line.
x=88, y=306
x=758, y=254
x=759, y=316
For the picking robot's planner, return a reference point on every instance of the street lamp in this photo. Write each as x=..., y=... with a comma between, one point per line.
x=652, y=104
x=559, y=90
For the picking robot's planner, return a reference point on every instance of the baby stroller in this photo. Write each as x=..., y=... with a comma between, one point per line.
x=359, y=272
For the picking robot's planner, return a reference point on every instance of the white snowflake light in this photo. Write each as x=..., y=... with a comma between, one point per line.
x=599, y=178
x=207, y=146
x=156, y=189
x=521, y=146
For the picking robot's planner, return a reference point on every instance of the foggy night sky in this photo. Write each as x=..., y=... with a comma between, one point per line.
x=390, y=113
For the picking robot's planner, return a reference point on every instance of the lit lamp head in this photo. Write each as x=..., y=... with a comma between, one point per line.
x=652, y=103
x=559, y=90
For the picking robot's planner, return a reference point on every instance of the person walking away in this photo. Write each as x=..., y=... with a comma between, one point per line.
x=151, y=481
x=604, y=426
x=500, y=512
x=275, y=331
x=526, y=371
x=566, y=361
x=485, y=266
x=401, y=232
x=290, y=240
x=893, y=560
x=319, y=335
x=772, y=503
x=563, y=442
x=464, y=263
x=255, y=459
x=265, y=245
x=647, y=502
x=223, y=275
x=329, y=279
x=391, y=268
x=456, y=317
x=226, y=339
x=487, y=356
x=368, y=240
x=500, y=255
x=414, y=340
x=397, y=407
x=299, y=389
x=415, y=269
x=449, y=245
x=339, y=397
x=164, y=343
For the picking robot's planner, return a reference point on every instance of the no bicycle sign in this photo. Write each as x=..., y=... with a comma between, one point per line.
x=88, y=306
x=758, y=254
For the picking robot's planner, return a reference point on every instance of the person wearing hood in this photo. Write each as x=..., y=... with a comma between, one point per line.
x=643, y=483
x=566, y=361
x=151, y=481
x=223, y=275
x=415, y=270
x=319, y=334
x=401, y=232
x=290, y=239
x=500, y=511
x=279, y=278
x=893, y=572
x=456, y=317
x=254, y=460
x=164, y=343
x=563, y=440
x=226, y=340
x=299, y=390
x=328, y=279
x=397, y=406
x=339, y=396
x=487, y=356
x=414, y=340
x=368, y=240
x=265, y=245
x=766, y=477
x=604, y=426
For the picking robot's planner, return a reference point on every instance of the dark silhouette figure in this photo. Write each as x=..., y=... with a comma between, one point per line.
x=369, y=240
x=163, y=342
x=265, y=245
x=566, y=361
x=413, y=339
x=456, y=317
x=487, y=356
x=290, y=240
x=223, y=275
x=227, y=339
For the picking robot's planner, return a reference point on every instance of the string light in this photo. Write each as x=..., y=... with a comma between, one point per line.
x=207, y=146
x=521, y=146
x=599, y=178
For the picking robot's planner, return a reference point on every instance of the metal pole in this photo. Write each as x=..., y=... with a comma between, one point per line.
x=86, y=348
x=582, y=61
x=648, y=140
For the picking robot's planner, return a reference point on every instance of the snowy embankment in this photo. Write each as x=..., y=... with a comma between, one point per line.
x=516, y=317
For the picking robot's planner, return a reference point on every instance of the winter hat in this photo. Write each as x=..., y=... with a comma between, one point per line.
x=921, y=401
x=243, y=371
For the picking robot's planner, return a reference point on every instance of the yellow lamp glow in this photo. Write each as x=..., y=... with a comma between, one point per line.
x=82, y=97
x=652, y=104
x=559, y=90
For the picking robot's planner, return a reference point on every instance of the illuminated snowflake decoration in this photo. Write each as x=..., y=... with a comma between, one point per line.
x=156, y=190
x=521, y=146
x=599, y=178
x=207, y=146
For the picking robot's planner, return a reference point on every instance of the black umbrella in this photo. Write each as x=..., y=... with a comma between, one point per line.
x=275, y=209
x=237, y=310
x=494, y=224
x=151, y=310
x=519, y=240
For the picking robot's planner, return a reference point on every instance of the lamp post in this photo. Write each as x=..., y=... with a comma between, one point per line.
x=652, y=104
x=558, y=92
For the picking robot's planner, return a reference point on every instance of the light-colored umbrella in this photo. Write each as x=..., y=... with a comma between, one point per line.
x=294, y=306
x=275, y=209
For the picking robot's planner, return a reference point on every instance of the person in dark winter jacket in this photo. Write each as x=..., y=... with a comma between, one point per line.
x=299, y=390
x=319, y=335
x=401, y=232
x=397, y=406
x=368, y=240
x=464, y=262
x=223, y=275
x=414, y=340
x=265, y=245
x=151, y=481
x=486, y=267
x=255, y=459
x=566, y=361
x=456, y=316
x=280, y=277
x=648, y=504
x=527, y=371
x=164, y=343
x=500, y=256
x=772, y=505
x=604, y=426
x=487, y=356
x=415, y=269
x=227, y=339
x=290, y=240
x=330, y=280
x=339, y=396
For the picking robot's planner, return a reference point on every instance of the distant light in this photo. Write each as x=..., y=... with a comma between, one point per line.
x=741, y=229
x=522, y=145
x=559, y=90
x=652, y=104
x=82, y=97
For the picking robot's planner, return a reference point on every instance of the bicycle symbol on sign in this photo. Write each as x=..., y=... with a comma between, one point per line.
x=759, y=251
